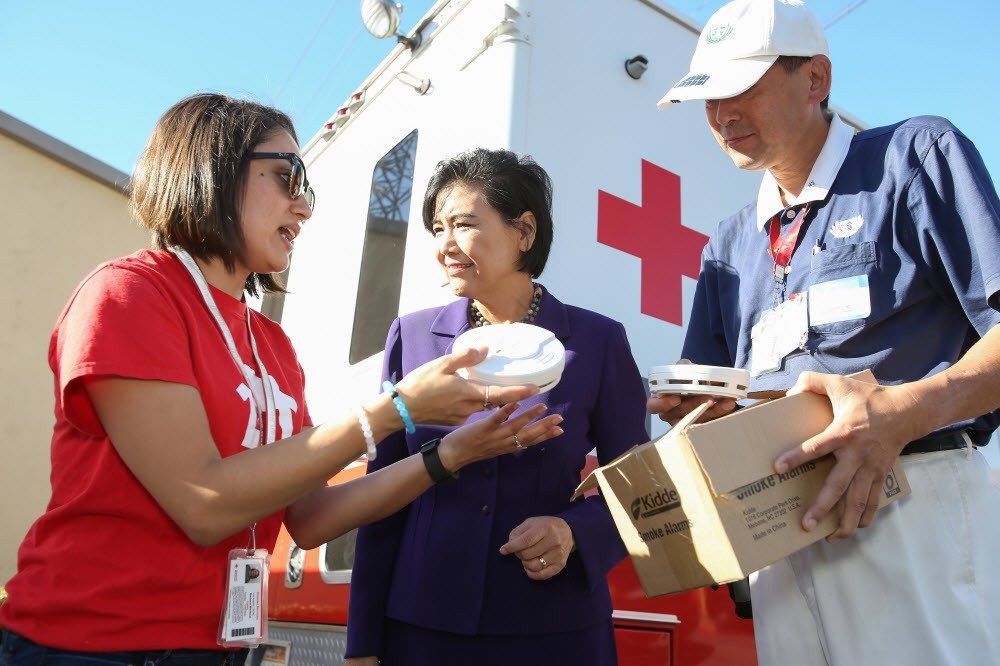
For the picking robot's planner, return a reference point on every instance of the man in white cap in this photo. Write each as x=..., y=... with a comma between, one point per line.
x=875, y=250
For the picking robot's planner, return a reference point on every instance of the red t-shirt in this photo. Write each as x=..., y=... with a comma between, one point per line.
x=105, y=568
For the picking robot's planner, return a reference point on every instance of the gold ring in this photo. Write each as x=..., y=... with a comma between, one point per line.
x=486, y=403
x=517, y=443
x=541, y=560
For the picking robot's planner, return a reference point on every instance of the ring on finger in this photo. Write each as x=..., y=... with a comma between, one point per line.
x=517, y=443
x=486, y=401
x=541, y=560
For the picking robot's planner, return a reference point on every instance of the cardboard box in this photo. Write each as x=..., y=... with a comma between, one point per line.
x=702, y=505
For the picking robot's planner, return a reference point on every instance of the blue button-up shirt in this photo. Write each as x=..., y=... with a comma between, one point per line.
x=911, y=209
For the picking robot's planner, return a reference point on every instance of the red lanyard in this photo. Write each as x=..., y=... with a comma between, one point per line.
x=782, y=246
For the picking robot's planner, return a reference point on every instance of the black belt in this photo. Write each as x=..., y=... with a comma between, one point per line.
x=939, y=442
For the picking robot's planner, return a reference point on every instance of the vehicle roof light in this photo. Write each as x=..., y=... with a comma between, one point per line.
x=381, y=19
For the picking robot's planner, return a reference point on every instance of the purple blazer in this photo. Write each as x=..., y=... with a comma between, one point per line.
x=436, y=564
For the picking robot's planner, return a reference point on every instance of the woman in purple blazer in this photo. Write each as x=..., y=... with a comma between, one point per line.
x=498, y=566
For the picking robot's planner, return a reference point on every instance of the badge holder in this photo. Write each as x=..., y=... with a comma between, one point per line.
x=244, y=613
x=779, y=332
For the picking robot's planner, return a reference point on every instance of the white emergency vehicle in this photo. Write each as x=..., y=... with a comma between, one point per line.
x=637, y=191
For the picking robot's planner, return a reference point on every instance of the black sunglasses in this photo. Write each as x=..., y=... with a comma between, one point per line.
x=298, y=183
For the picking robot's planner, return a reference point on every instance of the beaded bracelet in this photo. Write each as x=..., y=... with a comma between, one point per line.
x=390, y=388
x=366, y=430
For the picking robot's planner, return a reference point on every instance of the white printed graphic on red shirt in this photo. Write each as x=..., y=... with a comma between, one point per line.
x=285, y=406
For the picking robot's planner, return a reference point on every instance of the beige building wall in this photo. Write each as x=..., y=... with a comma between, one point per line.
x=62, y=213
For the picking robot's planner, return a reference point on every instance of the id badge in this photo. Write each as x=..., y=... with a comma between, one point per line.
x=845, y=299
x=778, y=333
x=244, y=614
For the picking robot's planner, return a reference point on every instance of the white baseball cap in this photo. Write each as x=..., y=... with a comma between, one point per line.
x=740, y=43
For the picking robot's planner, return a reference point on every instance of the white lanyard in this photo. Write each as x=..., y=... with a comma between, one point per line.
x=202, y=284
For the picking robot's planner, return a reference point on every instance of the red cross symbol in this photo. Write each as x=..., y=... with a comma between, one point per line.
x=654, y=233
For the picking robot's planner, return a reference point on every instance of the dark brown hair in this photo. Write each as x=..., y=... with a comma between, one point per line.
x=187, y=184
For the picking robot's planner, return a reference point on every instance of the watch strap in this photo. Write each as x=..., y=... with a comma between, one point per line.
x=432, y=461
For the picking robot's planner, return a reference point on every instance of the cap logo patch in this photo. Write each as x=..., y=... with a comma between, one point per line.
x=718, y=33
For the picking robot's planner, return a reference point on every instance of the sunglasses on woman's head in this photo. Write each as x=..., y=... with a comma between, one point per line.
x=298, y=184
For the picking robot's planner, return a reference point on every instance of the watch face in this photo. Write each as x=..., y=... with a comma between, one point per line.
x=427, y=446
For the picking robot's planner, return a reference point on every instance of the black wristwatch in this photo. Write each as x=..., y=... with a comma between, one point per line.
x=432, y=461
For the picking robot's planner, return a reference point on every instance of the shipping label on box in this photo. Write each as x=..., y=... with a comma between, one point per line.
x=703, y=505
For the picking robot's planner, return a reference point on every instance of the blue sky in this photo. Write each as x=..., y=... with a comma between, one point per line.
x=97, y=75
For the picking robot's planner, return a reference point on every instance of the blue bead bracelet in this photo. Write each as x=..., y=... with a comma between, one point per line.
x=390, y=388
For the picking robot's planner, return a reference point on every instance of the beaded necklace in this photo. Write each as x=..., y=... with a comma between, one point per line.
x=477, y=319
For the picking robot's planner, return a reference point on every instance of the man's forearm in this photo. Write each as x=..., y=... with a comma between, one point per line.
x=966, y=390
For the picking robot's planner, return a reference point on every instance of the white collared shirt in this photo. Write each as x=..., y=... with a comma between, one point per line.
x=824, y=171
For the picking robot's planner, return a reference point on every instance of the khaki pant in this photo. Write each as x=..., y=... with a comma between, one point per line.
x=920, y=586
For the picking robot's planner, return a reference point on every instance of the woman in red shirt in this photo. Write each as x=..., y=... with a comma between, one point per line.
x=182, y=439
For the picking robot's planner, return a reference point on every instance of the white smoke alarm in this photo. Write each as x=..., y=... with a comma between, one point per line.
x=518, y=354
x=693, y=379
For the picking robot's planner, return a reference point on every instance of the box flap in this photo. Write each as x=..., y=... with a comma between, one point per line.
x=693, y=415
x=591, y=481
x=741, y=447
x=667, y=517
x=587, y=484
